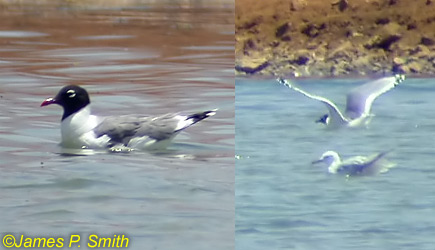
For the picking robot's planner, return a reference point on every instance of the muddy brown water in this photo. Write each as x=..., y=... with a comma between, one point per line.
x=136, y=60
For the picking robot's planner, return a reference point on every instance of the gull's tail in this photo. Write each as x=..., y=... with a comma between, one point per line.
x=383, y=165
x=380, y=155
x=201, y=116
x=189, y=120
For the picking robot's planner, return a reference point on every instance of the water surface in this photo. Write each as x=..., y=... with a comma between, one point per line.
x=285, y=202
x=135, y=61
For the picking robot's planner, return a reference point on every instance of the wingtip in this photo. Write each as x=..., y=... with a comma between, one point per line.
x=399, y=78
x=212, y=112
x=384, y=153
x=388, y=151
x=284, y=82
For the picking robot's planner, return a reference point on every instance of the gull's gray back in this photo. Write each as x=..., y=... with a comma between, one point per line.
x=122, y=128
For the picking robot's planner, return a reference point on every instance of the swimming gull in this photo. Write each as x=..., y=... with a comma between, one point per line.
x=357, y=165
x=359, y=102
x=82, y=130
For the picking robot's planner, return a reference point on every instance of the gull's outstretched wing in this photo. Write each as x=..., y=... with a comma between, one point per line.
x=335, y=115
x=360, y=99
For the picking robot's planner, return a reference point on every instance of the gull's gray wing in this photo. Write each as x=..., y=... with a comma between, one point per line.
x=366, y=165
x=377, y=164
x=121, y=129
x=360, y=99
x=334, y=112
x=353, y=166
x=160, y=128
x=352, y=169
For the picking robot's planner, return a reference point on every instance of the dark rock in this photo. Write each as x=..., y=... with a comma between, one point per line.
x=342, y=5
x=274, y=44
x=388, y=41
x=411, y=26
x=301, y=60
x=282, y=30
x=427, y=41
x=253, y=23
x=252, y=70
x=286, y=38
x=414, y=67
x=249, y=44
x=430, y=20
x=382, y=21
x=383, y=43
x=393, y=2
x=349, y=33
x=411, y=67
x=419, y=51
x=312, y=30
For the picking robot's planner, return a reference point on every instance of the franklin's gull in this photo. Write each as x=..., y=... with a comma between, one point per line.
x=80, y=129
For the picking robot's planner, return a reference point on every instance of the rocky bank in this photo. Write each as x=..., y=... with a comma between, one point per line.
x=335, y=37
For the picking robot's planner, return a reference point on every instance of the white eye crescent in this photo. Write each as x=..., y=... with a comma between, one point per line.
x=71, y=93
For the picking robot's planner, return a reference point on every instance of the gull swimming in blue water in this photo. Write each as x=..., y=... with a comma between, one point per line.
x=358, y=105
x=357, y=165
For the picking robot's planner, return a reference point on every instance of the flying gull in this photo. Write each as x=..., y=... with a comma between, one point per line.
x=80, y=129
x=359, y=102
x=357, y=165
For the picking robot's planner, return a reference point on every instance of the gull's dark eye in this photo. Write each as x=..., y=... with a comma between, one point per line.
x=71, y=93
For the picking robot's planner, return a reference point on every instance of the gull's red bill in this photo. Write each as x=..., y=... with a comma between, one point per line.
x=48, y=101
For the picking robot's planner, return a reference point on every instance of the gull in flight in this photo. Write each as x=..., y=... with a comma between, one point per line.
x=357, y=165
x=359, y=102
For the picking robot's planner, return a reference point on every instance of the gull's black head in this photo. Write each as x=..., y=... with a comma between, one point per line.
x=72, y=98
x=324, y=119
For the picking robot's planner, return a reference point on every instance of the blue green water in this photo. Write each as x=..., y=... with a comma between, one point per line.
x=285, y=202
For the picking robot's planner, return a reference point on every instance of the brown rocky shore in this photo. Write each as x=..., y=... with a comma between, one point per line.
x=335, y=37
